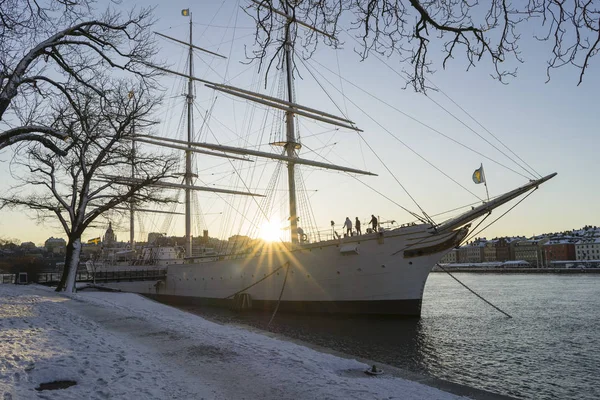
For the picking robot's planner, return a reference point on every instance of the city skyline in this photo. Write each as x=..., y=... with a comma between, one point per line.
x=125, y=237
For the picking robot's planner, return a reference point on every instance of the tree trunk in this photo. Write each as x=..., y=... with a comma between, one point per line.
x=67, y=281
x=65, y=271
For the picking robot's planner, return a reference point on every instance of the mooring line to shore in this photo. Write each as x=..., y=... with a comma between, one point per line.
x=472, y=291
x=255, y=283
x=280, y=294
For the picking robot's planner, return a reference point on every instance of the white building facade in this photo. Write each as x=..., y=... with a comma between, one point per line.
x=587, y=249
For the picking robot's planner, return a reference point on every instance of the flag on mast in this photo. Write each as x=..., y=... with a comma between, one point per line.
x=185, y=12
x=94, y=241
x=478, y=175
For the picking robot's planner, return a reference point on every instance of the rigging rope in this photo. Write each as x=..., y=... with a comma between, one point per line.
x=398, y=139
x=484, y=139
x=458, y=119
x=503, y=214
x=476, y=226
x=391, y=200
x=483, y=127
x=427, y=218
x=306, y=207
x=424, y=124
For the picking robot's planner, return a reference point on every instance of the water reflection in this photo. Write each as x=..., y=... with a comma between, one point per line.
x=400, y=342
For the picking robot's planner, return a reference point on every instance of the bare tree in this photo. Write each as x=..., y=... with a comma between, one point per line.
x=49, y=47
x=471, y=30
x=78, y=187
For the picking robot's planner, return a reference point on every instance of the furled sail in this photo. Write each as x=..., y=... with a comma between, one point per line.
x=169, y=185
x=264, y=154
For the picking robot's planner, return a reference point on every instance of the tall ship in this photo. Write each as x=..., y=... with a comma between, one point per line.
x=381, y=269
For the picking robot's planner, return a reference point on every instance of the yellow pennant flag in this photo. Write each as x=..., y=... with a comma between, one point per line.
x=478, y=176
x=185, y=12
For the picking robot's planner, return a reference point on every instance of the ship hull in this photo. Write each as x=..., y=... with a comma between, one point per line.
x=380, y=273
x=408, y=307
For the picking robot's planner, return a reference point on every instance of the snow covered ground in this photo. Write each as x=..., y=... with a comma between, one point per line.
x=124, y=346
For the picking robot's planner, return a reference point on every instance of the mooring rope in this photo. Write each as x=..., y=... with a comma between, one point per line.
x=255, y=283
x=472, y=291
x=280, y=294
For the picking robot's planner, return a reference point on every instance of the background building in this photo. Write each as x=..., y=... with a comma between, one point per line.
x=451, y=257
x=588, y=249
x=109, y=237
x=559, y=250
x=55, y=245
x=530, y=250
x=472, y=252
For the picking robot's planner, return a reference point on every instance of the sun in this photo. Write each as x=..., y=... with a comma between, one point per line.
x=270, y=231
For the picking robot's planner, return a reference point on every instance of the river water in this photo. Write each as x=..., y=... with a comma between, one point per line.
x=549, y=349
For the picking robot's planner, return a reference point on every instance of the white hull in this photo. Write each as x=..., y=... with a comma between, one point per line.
x=381, y=273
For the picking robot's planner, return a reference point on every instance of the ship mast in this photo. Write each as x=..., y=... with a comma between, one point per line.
x=290, y=145
x=188, y=153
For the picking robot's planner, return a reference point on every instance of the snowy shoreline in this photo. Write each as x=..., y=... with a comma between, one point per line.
x=122, y=346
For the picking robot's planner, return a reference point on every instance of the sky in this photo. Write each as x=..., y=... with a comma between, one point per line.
x=552, y=126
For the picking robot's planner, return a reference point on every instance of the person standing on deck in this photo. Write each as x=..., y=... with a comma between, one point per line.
x=301, y=235
x=373, y=222
x=357, y=223
x=348, y=226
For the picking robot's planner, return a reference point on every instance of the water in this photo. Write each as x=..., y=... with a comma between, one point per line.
x=550, y=349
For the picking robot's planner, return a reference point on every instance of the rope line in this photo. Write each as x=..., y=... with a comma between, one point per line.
x=280, y=294
x=424, y=124
x=503, y=214
x=427, y=218
x=472, y=291
x=395, y=137
x=418, y=217
x=480, y=136
x=476, y=226
x=255, y=283
x=437, y=88
x=483, y=127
